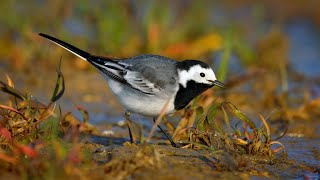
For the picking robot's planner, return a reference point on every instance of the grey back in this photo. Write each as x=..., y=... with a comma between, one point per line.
x=157, y=69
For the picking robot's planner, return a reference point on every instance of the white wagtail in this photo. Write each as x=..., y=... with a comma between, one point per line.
x=144, y=83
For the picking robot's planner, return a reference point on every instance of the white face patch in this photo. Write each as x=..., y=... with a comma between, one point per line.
x=195, y=74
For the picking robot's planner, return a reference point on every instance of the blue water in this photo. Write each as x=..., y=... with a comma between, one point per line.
x=304, y=49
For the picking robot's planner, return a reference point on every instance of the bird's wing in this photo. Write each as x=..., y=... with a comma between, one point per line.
x=138, y=80
x=125, y=74
x=156, y=72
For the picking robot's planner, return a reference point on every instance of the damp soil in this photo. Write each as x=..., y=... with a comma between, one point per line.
x=166, y=162
x=117, y=157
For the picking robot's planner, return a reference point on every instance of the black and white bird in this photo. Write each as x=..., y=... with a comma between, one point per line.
x=144, y=83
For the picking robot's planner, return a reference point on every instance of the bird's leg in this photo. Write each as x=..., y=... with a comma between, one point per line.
x=127, y=116
x=165, y=134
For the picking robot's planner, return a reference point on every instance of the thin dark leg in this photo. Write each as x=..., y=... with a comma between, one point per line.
x=127, y=116
x=130, y=133
x=173, y=144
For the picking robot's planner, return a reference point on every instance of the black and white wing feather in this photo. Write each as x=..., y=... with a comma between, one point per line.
x=140, y=82
x=125, y=74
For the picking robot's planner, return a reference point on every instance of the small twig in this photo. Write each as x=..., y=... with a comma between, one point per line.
x=283, y=134
x=14, y=110
x=50, y=112
x=278, y=149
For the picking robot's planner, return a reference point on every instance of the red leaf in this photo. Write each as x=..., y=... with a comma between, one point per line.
x=28, y=151
x=4, y=132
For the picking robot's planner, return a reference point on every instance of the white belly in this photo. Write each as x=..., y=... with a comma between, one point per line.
x=137, y=102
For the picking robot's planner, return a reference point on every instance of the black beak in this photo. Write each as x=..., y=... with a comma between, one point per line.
x=218, y=83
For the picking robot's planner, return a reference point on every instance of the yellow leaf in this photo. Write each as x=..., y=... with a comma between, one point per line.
x=207, y=43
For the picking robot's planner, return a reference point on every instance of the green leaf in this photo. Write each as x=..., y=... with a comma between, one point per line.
x=60, y=80
x=242, y=116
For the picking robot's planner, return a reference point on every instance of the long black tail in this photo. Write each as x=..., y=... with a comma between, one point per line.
x=78, y=52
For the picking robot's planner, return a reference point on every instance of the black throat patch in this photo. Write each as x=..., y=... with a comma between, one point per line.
x=185, y=95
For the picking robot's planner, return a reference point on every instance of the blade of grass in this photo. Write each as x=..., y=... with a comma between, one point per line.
x=284, y=78
x=10, y=90
x=56, y=95
x=267, y=128
x=226, y=119
x=84, y=113
x=223, y=69
x=242, y=116
x=207, y=118
x=10, y=83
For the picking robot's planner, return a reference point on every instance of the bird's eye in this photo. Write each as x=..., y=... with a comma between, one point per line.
x=202, y=75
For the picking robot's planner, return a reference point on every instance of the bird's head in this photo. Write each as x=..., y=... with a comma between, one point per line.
x=197, y=71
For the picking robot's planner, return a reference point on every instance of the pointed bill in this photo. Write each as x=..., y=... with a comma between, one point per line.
x=218, y=83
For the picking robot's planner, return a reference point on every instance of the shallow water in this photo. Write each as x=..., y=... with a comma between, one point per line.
x=303, y=150
x=306, y=154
